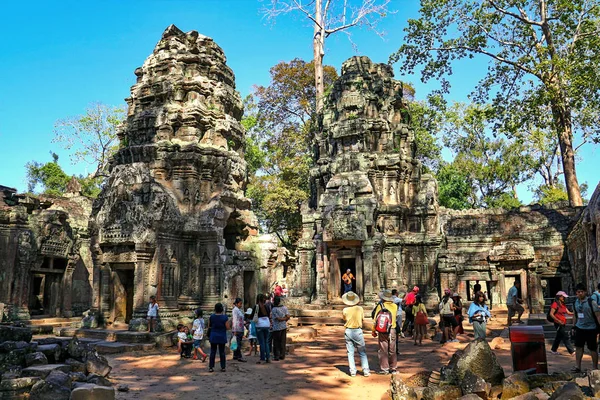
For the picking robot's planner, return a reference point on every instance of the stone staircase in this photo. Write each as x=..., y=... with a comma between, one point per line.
x=44, y=325
x=110, y=341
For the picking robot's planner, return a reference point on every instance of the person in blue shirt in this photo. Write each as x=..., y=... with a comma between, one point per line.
x=479, y=315
x=513, y=303
x=218, y=324
x=586, y=313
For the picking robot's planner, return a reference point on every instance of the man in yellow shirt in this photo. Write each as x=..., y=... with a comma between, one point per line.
x=353, y=315
x=387, y=341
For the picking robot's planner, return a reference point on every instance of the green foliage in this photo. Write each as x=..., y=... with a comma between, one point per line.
x=278, y=122
x=545, y=194
x=426, y=118
x=544, y=67
x=92, y=137
x=49, y=175
x=454, y=188
x=53, y=181
x=494, y=166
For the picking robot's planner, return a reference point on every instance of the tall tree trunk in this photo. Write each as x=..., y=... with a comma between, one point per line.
x=318, y=53
x=562, y=120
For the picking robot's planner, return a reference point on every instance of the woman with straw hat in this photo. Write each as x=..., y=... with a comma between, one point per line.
x=354, y=315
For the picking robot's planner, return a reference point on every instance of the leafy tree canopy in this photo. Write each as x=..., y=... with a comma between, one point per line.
x=278, y=120
x=52, y=180
x=543, y=57
x=91, y=137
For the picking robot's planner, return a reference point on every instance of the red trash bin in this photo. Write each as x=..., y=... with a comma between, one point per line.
x=528, y=348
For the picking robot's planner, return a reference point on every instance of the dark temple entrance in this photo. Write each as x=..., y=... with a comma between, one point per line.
x=123, y=279
x=249, y=289
x=344, y=265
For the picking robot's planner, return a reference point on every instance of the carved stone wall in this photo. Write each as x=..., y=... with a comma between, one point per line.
x=495, y=247
x=584, y=244
x=172, y=220
x=372, y=210
x=45, y=268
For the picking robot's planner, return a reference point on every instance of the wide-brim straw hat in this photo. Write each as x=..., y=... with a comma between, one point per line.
x=350, y=298
x=386, y=295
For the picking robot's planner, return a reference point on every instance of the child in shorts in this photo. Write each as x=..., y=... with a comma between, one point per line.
x=251, y=327
x=198, y=335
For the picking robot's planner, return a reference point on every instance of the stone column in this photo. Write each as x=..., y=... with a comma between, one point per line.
x=67, y=289
x=367, y=252
x=359, y=274
x=106, y=292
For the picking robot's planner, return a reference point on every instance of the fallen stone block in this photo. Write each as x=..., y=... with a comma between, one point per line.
x=53, y=352
x=93, y=392
x=540, y=394
x=420, y=379
x=447, y=392
x=400, y=391
x=515, y=385
x=525, y=396
x=76, y=349
x=98, y=380
x=42, y=371
x=14, y=333
x=11, y=345
x=570, y=391
x=44, y=390
x=78, y=377
x=96, y=364
x=594, y=381
x=76, y=366
x=17, y=384
x=539, y=380
x=470, y=397
x=478, y=358
x=37, y=358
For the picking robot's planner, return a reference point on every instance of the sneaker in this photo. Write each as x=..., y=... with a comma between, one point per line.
x=394, y=372
x=383, y=372
x=353, y=374
x=241, y=359
x=368, y=373
x=453, y=341
x=519, y=322
x=554, y=352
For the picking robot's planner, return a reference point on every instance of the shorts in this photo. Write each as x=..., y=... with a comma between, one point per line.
x=198, y=343
x=517, y=308
x=253, y=341
x=587, y=337
x=449, y=321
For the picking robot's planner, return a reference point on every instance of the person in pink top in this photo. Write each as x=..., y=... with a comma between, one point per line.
x=278, y=291
x=408, y=303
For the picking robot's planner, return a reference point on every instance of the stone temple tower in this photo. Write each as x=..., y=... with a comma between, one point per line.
x=373, y=211
x=172, y=220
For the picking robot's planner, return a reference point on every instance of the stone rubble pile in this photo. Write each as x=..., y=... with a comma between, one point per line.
x=474, y=373
x=51, y=368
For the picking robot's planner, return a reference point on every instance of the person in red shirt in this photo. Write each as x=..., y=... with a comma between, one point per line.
x=559, y=312
x=408, y=303
x=278, y=290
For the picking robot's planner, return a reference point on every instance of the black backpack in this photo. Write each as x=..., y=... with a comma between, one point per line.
x=549, y=317
x=594, y=314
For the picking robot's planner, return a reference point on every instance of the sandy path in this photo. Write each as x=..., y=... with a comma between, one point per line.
x=317, y=370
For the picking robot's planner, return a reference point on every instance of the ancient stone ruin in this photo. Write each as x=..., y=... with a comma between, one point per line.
x=172, y=220
x=374, y=212
x=45, y=263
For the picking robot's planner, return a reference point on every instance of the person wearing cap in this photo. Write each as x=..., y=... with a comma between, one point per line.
x=559, y=312
x=447, y=316
x=353, y=334
x=387, y=341
x=409, y=302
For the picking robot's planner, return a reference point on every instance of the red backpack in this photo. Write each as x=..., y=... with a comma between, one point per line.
x=383, y=322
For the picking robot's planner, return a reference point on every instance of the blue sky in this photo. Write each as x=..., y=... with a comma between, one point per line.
x=57, y=57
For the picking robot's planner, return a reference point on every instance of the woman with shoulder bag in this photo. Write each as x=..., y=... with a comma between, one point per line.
x=263, y=325
x=218, y=325
x=421, y=320
x=478, y=315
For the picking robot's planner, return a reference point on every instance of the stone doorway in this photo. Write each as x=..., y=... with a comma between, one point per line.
x=123, y=283
x=45, y=291
x=249, y=289
x=551, y=286
x=509, y=281
x=344, y=265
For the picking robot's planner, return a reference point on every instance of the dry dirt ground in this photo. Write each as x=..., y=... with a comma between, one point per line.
x=317, y=370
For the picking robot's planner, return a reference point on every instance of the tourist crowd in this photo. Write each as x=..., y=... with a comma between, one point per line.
x=394, y=317
x=264, y=326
